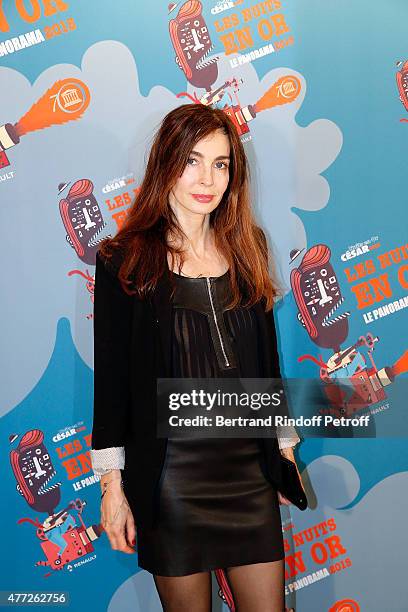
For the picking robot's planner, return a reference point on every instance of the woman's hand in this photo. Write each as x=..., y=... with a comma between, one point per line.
x=288, y=453
x=116, y=515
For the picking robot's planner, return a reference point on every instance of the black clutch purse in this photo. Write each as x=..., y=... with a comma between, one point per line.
x=290, y=484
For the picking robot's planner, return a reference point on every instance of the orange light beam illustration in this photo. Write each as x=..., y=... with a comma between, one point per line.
x=283, y=91
x=66, y=100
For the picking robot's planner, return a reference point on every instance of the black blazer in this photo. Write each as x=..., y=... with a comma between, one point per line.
x=132, y=348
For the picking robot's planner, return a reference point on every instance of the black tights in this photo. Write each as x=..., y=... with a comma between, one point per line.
x=258, y=587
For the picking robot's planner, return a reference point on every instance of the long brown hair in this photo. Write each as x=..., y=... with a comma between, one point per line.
x=141, y=241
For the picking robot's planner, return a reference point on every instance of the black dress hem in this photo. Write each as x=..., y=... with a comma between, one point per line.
x=207, y=567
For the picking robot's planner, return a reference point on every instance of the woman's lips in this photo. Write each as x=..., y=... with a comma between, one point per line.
x=204, y=199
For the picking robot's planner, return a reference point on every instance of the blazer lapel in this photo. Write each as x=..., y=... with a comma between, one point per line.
x=161, y=302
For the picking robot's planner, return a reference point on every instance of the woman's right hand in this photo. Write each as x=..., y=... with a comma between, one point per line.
x=116, y=515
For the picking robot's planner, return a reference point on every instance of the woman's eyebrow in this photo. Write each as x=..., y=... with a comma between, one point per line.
x=201, y=155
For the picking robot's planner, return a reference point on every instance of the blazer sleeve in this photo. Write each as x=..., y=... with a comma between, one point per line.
x=112, y=322
x=287, y=436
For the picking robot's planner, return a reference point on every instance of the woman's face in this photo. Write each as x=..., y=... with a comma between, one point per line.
x=200, y=188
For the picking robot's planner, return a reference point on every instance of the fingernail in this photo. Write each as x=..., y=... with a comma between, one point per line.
x=133, y=542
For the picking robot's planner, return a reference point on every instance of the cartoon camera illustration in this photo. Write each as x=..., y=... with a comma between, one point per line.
x=82, y=218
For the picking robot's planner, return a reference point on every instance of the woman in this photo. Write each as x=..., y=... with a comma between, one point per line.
x=183, y=290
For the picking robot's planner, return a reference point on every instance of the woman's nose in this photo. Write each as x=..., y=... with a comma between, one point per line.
x=207, y=176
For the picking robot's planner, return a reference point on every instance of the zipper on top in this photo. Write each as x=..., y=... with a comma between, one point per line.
x=216, y=322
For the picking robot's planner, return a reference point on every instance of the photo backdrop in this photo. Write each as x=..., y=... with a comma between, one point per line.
x=319, y=93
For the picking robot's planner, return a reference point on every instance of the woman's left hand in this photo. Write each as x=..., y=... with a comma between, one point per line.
x=283, y=500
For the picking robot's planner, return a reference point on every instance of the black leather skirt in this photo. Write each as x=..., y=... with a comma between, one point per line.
x=217, y=510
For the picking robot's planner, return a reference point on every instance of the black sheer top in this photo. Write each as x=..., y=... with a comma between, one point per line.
x=208, y=340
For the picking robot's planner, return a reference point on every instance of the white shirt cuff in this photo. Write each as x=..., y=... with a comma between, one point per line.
x=287, y=436
x=106, y=459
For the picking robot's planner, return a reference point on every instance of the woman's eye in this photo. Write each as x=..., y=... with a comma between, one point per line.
x=222, y=166
x=190, y=160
